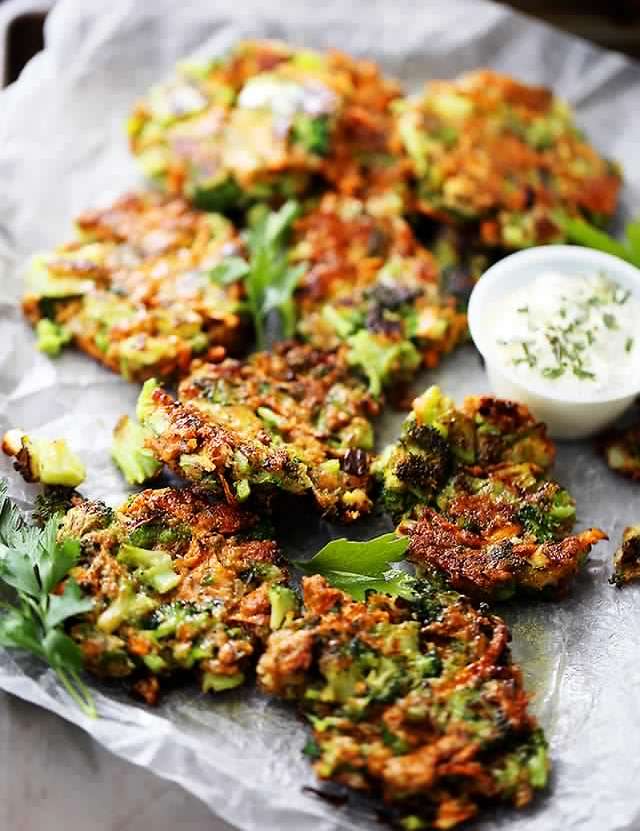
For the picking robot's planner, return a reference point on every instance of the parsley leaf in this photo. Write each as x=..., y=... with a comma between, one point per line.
x=360, y=567
x=229, y=271
x=271, y=280
x=34, y=563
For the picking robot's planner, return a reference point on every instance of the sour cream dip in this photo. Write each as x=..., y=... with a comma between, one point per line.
x=573, y=336
x=558, y=327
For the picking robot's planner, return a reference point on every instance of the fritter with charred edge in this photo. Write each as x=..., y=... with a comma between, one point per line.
x=626, y=560
x=294, y=419
x=261, y=122
x=621, y=449
x=179, y=585
x=494, y=152
x=438, y=439
x=369, y=283
x=133, y=289
x=497, y=565
x=475, y=479
x=416, y=701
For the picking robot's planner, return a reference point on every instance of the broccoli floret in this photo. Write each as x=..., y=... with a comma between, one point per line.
x=42, y=283
x=433, y=409
x=55, y=499
x=529, y=763
x=135, y=356
x=283, y=601
x=154, y=533
x=312, y=134
x=549, y=522
x=414, y=469
x=152, y=567
x=221, y=198
x=145, y=406
x=216, y=682
x=130, y=454
x=49, y=461
x=149, y=415
x=51, y=337
x=127, y=605
x=382, y=360
x=84, y=518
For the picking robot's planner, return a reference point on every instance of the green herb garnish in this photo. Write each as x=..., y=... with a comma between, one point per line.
x=33, y=563
x=359, y=567
x=229, y=271
x=271, y=280
x=582, y=232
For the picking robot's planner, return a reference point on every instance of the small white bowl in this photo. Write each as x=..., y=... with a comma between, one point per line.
x=565, y=417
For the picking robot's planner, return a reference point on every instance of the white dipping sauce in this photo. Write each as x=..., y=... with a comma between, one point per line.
x=574, y=337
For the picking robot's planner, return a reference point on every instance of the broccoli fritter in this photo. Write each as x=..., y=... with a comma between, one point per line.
x=437, y=439
x=621, y=449
x=370, y=283
x=294, y=419
x=476, y=480
x=497, y=565
x=54, y=499
x=416, y=701
x=134, y=290
x=179, y=586
x=626, y=560
x=494, y=152
x=262, y=122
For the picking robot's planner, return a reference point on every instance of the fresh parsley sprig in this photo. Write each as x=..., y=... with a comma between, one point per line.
x=33, y=563
x=272, y=280
x=269, y=278
x=582, y=232
x=359, y=567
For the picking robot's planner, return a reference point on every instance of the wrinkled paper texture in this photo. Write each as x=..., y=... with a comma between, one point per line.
x=63, y=149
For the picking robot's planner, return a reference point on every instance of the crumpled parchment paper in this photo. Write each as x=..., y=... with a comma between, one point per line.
x=63, y=149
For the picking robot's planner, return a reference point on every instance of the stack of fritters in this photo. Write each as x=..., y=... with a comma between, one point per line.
x=293, y=419
x=508, y=157
x=179, y=585
x=370, y=283
x=261, y=122
x=471, y=488
x=133, y=289
x=418, y=701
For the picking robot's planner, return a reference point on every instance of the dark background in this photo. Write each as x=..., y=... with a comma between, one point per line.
x=612, y=23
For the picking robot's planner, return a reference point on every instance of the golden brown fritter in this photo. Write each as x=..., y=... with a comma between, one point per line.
x=437, y=440
x=489, y=520
x=366, y=272
x=417, y=701
x=261, y=122
x=626, y=560
x=490, y=150
x=180, y=585
x=293, y=419
x=621, y=449
x=133, y=289
x=496, y=565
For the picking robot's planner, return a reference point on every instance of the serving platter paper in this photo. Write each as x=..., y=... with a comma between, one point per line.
x=63, y=149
